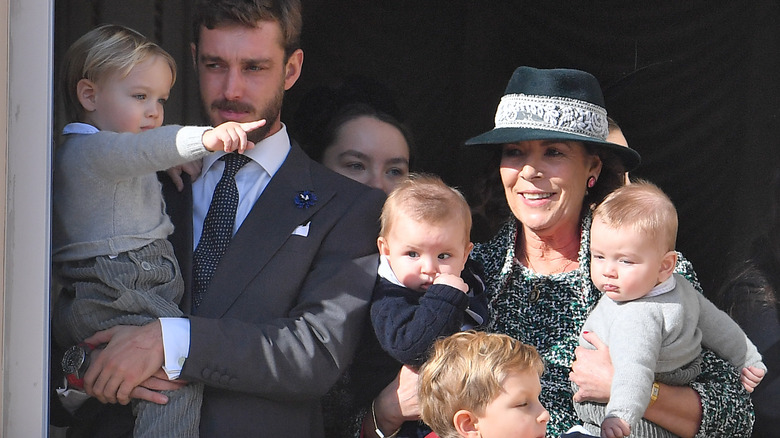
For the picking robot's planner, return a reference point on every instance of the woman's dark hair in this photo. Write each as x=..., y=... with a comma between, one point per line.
x=611, y=177
x=759, y=275
x=489, y=208
x=323, y=111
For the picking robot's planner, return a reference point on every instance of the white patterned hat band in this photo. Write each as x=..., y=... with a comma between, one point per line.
x=552, y=113
x=554, y=104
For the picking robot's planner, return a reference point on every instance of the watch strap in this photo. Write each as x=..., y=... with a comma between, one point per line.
x=76, y=379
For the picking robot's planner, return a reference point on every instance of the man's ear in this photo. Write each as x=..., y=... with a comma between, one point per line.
x=86, y=91
x=194, y=53
x=667, y=265
x=466, y=424
x=292, y=69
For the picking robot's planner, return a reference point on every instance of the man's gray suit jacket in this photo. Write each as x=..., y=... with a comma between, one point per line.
x=284, y=311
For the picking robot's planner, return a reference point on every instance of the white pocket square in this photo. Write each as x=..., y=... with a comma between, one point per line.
x=302, y=230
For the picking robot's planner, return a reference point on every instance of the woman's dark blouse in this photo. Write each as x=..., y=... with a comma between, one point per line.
x=548, y=311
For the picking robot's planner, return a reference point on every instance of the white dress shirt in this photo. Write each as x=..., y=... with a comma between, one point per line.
x=267, y=157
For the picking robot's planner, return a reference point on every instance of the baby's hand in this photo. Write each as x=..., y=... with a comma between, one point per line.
x=614, y=427
x=751, y=377
x=230, y=136
x=192, y=168
x=452, y=281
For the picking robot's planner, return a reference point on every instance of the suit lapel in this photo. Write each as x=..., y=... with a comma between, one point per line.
x=269, y=224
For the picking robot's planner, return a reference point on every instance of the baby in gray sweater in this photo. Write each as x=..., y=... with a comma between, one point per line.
x=654, y=322
x=110, y=251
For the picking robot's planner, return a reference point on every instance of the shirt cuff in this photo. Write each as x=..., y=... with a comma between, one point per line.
x=176, y=344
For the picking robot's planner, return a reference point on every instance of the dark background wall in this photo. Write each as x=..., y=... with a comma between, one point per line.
x=692, y=83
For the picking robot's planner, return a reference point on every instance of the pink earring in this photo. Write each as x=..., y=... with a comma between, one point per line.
x=591, y=182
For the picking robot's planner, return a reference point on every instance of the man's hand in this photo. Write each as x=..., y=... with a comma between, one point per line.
x=132, y=355
x=592, y=371
x=147, y=390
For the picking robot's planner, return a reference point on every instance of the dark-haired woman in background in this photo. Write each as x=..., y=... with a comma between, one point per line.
x=354, y=130
x=751, y=298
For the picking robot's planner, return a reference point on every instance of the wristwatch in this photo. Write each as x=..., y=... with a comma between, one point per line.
x=75, y=362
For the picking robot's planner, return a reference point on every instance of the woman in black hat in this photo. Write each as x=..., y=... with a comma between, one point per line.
x=555, y=163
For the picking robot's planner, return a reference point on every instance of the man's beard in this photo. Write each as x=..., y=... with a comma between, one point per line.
x=270, y=113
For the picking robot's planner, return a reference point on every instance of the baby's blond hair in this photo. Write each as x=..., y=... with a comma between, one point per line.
x=644, y=207
x=425, y=198
x=467, y=371
x=100, y=52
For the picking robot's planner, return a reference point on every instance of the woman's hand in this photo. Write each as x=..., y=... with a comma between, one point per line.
x=677, y=409
x=592, y=371
x=396, y=404
x=409, y=404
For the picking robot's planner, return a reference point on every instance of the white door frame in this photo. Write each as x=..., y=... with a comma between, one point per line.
x=25, y=187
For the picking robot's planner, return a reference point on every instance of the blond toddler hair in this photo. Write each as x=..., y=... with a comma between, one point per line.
x=467, y=371
x=103, y=51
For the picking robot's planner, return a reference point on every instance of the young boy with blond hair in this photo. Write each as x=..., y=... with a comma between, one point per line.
x=110, y=250
x=654, y=322
x=478, y=384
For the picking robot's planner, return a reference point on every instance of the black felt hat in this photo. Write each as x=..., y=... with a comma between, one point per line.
x=553, y=104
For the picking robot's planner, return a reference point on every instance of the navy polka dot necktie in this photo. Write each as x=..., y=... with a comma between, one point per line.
x=217, y=227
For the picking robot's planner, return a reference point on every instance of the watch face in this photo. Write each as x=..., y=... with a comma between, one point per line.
x=73, y=359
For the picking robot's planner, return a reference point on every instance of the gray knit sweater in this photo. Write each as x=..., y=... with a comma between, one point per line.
x=661, y=334
x=106, y=196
